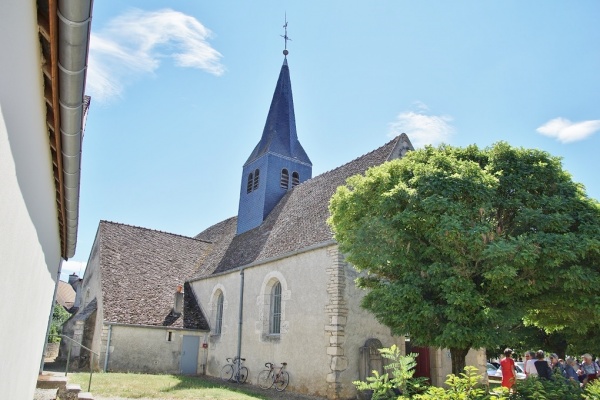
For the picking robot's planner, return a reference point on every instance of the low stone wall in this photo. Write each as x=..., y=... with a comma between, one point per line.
x=51, y=350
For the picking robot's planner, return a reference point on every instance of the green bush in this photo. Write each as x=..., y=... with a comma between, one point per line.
x=397, y=382
x=592, y=391
x=466, y=386
x=59, y=317
x=557, y=388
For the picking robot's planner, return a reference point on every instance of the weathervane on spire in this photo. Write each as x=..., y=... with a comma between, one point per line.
x=285, y=38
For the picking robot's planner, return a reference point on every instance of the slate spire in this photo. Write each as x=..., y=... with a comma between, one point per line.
x=278, y=163
x=279, y=135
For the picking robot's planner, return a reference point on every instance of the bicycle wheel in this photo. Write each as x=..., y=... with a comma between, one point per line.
x=227, y=372
x=242, y=375
x=282, y=381
x=265, y=379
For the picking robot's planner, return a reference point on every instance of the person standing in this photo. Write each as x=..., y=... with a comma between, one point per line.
x=555, y=364
x=509, y=374
x=529, y=365
x=541, y=365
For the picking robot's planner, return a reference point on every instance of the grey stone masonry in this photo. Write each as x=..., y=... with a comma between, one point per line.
x=337, y=312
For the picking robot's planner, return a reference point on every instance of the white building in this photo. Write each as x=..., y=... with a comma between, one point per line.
x=44, y=47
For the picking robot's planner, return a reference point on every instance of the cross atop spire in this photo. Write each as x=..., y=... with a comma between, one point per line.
x=285, y=38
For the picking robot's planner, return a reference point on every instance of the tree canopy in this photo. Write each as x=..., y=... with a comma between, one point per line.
x=458, y=245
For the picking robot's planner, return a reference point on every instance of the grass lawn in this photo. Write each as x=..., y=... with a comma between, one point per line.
x=135, y=386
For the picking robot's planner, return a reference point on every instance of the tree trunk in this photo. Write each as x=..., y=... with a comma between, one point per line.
x=458, y=360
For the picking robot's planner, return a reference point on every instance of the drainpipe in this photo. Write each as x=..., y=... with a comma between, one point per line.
x=107, y=348
x=74, y=25
x=241, y=316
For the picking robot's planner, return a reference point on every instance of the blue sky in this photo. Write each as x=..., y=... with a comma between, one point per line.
x=181, y=90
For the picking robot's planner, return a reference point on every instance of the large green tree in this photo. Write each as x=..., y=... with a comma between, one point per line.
x=459, y=245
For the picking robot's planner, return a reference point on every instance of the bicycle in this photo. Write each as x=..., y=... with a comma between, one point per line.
x=234, y=371
x=271, y=377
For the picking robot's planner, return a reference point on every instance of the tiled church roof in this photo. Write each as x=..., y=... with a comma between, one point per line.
x=141, y=268
x=140, y=271
x=297, y=222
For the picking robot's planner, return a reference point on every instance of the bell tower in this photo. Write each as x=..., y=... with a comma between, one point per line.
x=278, y=162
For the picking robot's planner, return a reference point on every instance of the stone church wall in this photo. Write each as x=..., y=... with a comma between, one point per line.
x=303, y=340
x=147, y=349
x=74, y=327
x=324, y=330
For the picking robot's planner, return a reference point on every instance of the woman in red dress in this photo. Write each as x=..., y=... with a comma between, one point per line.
x=509, y=374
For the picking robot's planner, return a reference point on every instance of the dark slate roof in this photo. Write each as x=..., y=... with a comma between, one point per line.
x=297, y=222
x=141, y=269
x=87, y=311
x=279, y=135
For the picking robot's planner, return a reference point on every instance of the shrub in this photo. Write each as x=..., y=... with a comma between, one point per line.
x=592, y=390
x=398, y=377
x=59, y=317
x=534, y=388
x=466, y=386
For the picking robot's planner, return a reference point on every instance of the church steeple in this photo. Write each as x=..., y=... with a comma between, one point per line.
x=279, y=136
x=278, y=162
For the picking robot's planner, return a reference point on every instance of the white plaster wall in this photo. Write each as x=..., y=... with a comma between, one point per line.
x=146, y=349
x=29, y=236
x=302, y=343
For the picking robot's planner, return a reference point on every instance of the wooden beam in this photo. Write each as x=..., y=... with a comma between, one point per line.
x=49, y=30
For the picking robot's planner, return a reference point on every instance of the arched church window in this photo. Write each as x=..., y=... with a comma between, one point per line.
x=295, y=179
x=219, y=315
x=285, y=178
x=256, y=172
x=275, y=320
x=250, y=180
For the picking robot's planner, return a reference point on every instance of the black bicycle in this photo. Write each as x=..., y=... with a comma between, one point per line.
x=273, y=376
x=234, y=371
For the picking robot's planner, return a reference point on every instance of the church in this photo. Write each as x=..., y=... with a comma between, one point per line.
x=268, y=285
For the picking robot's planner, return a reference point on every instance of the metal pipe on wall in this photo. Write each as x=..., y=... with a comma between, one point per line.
x=107, y=348
x=241, y=315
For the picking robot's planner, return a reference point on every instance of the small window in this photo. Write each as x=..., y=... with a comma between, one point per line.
x=219, y=316
x=285, y=178
x=169, y=336
x=256, y=172
x=295, y=179
x=275, y=325
x=249, y=186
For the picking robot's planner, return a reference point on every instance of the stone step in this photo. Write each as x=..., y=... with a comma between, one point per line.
x=85, y=396
x=45, y=394
x=47, y=381
x=71, y=392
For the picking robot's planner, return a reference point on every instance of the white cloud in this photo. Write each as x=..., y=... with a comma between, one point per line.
x=421, y=128
x=566, y=131
x=136, y=42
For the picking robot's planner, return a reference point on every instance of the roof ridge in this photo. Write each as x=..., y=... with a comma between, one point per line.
x=395, y=139
x=153, y=230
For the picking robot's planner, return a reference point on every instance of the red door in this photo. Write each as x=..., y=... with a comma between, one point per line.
x=423, y=368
